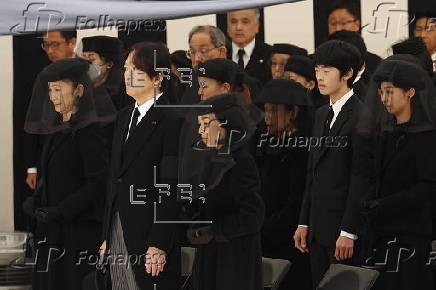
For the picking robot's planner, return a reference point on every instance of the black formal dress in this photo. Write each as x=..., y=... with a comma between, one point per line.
x=233, y=259
x=72, y=178
x=405, y=186
x=257, y=66
x=283, y=174
x=153, y=144
x=334, y=187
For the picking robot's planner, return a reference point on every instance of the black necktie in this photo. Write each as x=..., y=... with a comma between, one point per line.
x=134, y=122
x=329, y=119
x=241, y=53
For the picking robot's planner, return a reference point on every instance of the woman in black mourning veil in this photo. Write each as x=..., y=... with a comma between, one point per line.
x=68, y=202
x=399, y=209
x=282, y=154
x=228, y=252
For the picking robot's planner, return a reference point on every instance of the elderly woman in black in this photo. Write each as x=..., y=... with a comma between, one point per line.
x=68, y=202
x=228, y=250
x=401, y=206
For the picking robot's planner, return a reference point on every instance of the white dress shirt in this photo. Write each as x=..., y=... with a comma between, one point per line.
x=359, y=75
x=143, y=109
x=248, y=52
x=337, y=107
x=433, y=58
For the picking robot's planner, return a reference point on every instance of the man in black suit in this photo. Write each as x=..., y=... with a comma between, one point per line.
x=142, y=203
x=328, y=219
x=345, y=15
x=252, y=55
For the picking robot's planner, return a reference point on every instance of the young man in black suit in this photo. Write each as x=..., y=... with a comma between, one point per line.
x=328, y=224
x=245, y=50
x=142, y=205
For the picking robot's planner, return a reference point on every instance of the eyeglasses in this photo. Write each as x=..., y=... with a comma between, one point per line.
x=429, y=28
x=54, y=45
x=191, y=53
x=341, y=24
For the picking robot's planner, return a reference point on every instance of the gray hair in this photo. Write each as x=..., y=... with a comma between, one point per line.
x=217, y=37
x=256, y=13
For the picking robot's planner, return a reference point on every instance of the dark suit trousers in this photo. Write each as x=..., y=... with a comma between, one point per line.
x=321, y=257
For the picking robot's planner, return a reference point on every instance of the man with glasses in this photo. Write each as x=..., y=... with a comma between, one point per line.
x=425, y=27
x=245, y=50
x=345, y=15
x=205, y=42
x=57, y=45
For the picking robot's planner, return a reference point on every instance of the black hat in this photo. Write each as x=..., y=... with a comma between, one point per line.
x=301, y=65
x=286, y=48
x=69, y=68
x=179, y=59
x=217, y=104
x=285, y=92
x=401, y=74
x=413, y=46
x=110, y=48
x=220, y=69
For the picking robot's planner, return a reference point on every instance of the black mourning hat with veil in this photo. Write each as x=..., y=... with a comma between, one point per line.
x=402, y=72
x=42, y=118
x=207, y=165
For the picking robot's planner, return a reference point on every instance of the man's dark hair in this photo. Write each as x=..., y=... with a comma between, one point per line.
x=353, y=38
x=341, y=55
x=351, y=6
x=68, y=35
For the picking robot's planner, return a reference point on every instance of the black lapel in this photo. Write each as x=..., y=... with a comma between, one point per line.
x=56, y=141
x=256, y=57
x=401, y=141
x=319, y=130
x=121, y=133
x=142, y=133
x=343, y=116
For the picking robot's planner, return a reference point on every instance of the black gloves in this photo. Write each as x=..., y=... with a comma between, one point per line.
x=200, y=236
x=48, y=214
x=371, y=209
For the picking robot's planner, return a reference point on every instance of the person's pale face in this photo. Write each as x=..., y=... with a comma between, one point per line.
x=96, y=59
x=341, y=19
x=242, y=26
x=210, y=130
x=329, y=80
x=278, y=118
x=210, y=87
x=201, y=49
x=290, y=75
x=426, y=28
x=64, y=96
x=396, y=100
x=278, y=62
x=57, y=47
x=138, y=83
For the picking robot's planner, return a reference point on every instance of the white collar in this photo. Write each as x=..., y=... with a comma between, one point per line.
x=433, y=58
x=248, y=49
x=337, y=106
x=144, y=108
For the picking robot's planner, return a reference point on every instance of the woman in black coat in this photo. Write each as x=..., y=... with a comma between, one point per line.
x=403, y=201
x=282, y=154
x=228, y=250
x=68, y=203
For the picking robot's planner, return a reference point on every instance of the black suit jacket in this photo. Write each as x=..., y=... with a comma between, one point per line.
x=335, y=183
x=406, y=185
x=153, y=143
x=257, y=66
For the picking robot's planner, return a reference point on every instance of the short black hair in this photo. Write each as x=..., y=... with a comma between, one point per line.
x=341, y=55
x=351, y=6
x=68, y=35
x=353, y=38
